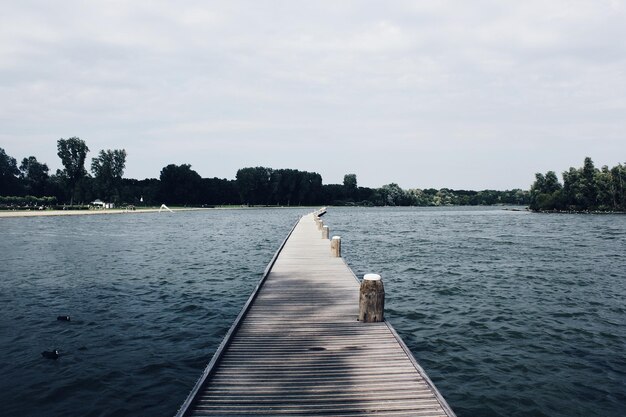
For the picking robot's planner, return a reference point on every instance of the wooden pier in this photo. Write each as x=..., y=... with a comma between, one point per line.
x=297, y=349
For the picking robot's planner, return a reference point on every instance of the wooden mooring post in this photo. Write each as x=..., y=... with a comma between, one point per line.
x=372, y=299
x=325, y=232
x=335, y=246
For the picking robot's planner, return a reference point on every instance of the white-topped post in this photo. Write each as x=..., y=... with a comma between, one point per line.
x=372, y=299
x=335, y=246
x=325, y=232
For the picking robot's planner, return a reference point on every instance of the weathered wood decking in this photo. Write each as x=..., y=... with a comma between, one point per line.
x=297, y=349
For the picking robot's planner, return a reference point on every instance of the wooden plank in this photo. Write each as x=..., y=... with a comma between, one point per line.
x=298, y=350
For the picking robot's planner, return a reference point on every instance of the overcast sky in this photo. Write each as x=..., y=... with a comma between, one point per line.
x=460, y=94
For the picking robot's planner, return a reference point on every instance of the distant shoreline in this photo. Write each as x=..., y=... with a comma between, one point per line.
x=42, y=213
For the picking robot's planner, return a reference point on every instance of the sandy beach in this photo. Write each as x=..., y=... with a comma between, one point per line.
x=38, y=213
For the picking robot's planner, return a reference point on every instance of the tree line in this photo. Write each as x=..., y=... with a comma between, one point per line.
x=32, y=179
x=583, y=189
x=30, y=183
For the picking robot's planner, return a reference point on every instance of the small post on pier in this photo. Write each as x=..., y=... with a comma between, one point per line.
x=371, y=299
x=335, y=246
x=325, y=232
x=320, y=224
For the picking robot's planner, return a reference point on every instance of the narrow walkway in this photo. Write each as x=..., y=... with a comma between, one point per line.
x=300, y=351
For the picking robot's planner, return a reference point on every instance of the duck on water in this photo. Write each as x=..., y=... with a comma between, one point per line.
x=54, y=354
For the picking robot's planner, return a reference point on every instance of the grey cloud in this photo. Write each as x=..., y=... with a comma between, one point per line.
x=407, y=87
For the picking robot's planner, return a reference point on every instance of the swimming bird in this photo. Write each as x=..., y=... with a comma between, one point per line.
x=63, y=318
x=50, y=355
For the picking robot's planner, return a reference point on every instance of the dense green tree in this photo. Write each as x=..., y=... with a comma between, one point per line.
x=310, y=188
x=545, y=193
x=551, y=183
x=516, y=197
x=9, y=183
x=35, y=174
x=589, y=187
x=218, y=191
x=140, y=192
x=618, y=181
x=365, y=196
x=108, y=169
x=180, y=185
x=536, y=189
x=572, y=189
x=73, y=152
x=393, y=195
x=254, y=185
x=263, y=186
x=57, y=186
x=349, y=181
x=605, y=197
x=334, y=194
x=418, y=197
x=444, y=197
x=284, y=184
x=350, y=184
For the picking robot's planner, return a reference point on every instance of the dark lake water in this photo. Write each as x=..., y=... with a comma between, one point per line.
x=510, y=313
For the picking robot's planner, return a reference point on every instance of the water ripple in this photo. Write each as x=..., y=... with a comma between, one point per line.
x=150, y=299
x=510, y=313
